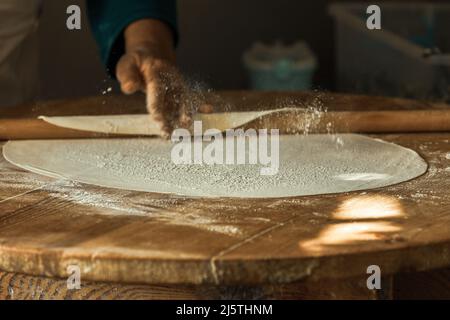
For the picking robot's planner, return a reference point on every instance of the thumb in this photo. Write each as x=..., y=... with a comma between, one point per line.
x=129, y=75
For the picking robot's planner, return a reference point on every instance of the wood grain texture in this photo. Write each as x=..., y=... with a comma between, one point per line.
x=422, y=285
x=15, y=286
x=143, y=238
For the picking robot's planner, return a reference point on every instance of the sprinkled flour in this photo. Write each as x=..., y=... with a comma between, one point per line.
x=308, y=165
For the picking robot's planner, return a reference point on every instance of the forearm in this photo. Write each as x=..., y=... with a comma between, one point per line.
x=111, y=18
x=152, y=36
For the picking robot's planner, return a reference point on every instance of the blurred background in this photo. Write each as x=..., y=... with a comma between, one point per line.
x=409, y=57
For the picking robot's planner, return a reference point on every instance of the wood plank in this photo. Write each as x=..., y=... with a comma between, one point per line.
x=15, y=181
x=134, y=237
x=15, y=286
x=170, y=239
x=422, y=285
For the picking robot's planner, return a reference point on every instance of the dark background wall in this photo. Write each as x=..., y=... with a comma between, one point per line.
x=214, y=34
x=69, y=62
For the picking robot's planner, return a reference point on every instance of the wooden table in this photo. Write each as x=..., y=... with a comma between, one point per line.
x=142, y=245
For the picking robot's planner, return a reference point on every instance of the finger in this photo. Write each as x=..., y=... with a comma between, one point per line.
x=129, y=75
x=185, y=120
x=180, y=100
x=151, y=71
x=185, y=115
x=161, y=95
x=156, y=100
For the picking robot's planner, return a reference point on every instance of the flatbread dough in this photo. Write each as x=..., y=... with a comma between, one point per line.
x=309, y=165
x=141, y=124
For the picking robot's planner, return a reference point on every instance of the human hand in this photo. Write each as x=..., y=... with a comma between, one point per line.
x=149, y=66
x=169, y=100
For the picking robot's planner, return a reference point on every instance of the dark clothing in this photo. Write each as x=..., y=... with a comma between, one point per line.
x=109, y=18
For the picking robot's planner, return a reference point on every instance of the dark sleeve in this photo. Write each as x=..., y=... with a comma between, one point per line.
x=109, y=18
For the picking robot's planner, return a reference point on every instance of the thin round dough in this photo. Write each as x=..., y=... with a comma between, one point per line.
x=308, y=165
x=142, y=124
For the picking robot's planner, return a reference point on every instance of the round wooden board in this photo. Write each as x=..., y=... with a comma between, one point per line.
x=133, y=237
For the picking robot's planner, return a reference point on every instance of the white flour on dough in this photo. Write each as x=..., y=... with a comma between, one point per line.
x=308, y=165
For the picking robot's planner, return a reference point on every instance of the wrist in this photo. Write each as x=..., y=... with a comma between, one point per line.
x=150, y=37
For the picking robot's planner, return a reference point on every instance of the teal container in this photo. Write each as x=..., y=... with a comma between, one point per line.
x=278, y=67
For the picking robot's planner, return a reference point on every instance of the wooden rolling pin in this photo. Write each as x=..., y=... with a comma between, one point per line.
x=394, y=121
x=27, y=129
